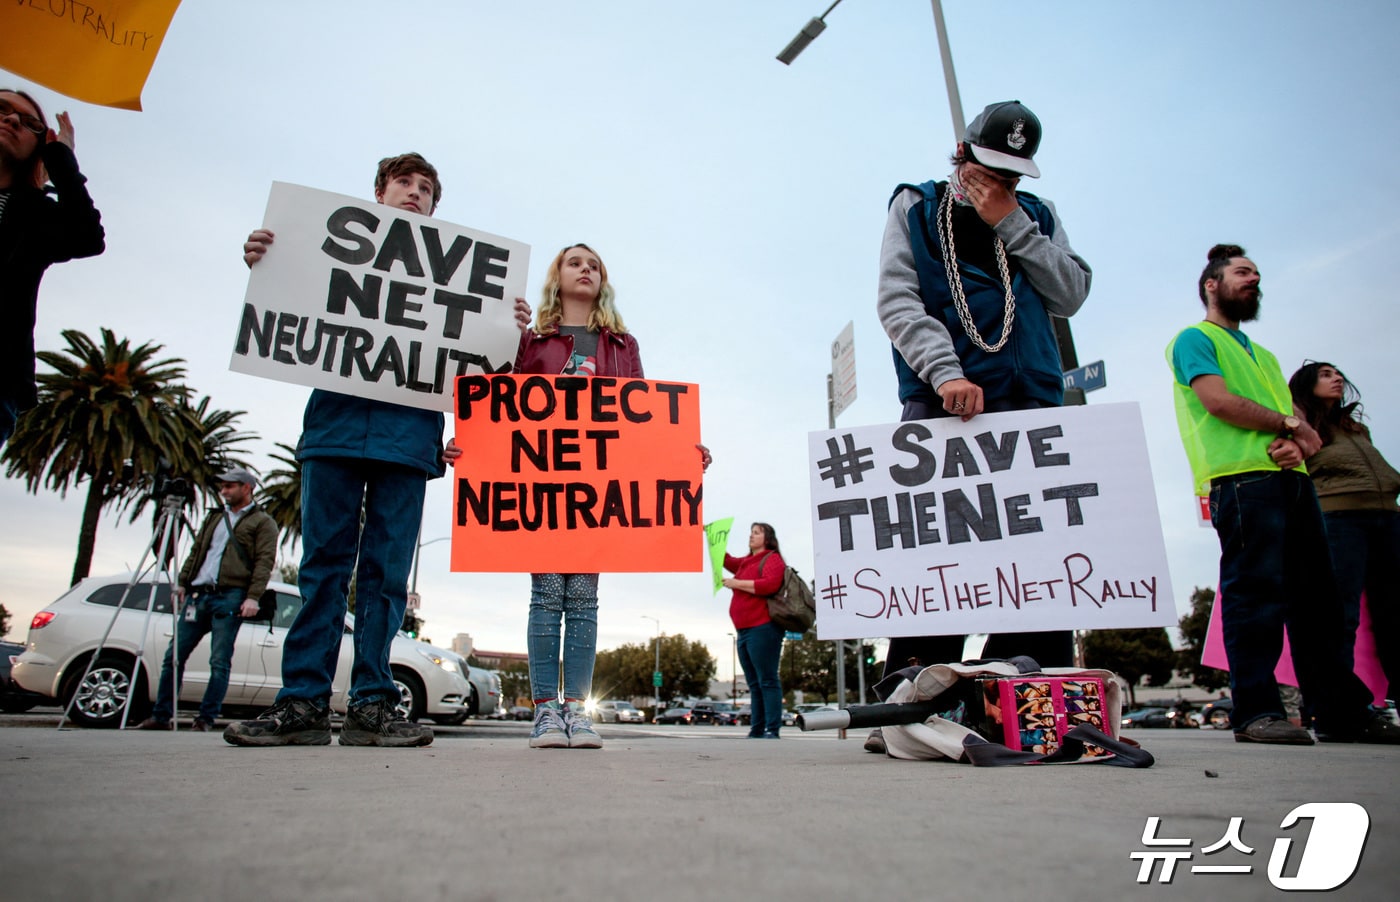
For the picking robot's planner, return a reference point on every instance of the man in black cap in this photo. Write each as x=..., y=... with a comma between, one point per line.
x=220, y=585
x=970, y=271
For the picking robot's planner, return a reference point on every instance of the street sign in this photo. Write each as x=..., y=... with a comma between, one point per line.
x=843, y=370
x=656, y=678
x=1089, y=377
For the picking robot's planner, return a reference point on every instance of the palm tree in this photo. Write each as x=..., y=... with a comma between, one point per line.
x=107, y=414
x=281, y=494
x=213, y=441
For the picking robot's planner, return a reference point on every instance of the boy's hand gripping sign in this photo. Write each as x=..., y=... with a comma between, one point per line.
x=571, y=474
x=369, y=300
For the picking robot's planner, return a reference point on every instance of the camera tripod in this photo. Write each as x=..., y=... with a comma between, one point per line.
x=164, y=541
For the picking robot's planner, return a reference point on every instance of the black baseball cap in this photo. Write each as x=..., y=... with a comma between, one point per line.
x=1006, y=136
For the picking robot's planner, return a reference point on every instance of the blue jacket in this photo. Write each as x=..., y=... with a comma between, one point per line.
x=337, y=425
x=1029, y=364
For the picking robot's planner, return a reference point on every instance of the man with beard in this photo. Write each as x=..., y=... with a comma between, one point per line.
x=1246, y=445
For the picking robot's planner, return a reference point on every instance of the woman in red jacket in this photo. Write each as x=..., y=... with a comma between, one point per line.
x=760, y=641
x=577, y=331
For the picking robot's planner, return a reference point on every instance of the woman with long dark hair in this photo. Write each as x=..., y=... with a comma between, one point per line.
x=759, y=640
x=1357, y=489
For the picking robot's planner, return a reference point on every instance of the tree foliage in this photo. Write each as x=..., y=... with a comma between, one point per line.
x=515, y=682
x=809, y=665
x=280, y=494
x=4, y=620
x=1135, y=655
x=107, y=415
x=625, y=672
x=1193, y=633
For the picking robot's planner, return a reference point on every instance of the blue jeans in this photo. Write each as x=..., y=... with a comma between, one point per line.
x=332, y=540
x=760, y=649
x=1276, y=573
x=1366, y=554
x=570, y=599
x=216, y=613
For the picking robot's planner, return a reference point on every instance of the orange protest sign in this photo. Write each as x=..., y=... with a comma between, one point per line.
x=98, y=51
x=571, y=474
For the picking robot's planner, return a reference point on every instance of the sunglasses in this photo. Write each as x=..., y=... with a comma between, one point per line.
x=32, y=123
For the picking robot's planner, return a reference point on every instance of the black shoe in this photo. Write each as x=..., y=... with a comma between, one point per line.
x=292, y=721
x=200, y=725
x=1274, y=731
x=377, y=722
x=1378, y=730
x=151, y=723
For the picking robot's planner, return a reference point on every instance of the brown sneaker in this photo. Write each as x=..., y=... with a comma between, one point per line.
x=1274, y=731
x=875, y=742
x=200, y=725
x=151, y=723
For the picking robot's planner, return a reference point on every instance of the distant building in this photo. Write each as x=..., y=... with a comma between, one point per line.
x=495, y=660
x=462, y=644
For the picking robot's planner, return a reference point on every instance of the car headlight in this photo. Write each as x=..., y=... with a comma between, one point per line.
x=446, y=664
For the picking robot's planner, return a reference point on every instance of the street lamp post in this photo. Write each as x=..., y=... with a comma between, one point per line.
x=1064, y=337
x=413, y=585
x=734, y=669
x=658, y=663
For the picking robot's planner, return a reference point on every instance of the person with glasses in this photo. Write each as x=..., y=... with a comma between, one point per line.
x=970, y=272
x=40, y=224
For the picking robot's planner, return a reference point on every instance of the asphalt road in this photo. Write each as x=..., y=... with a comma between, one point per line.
x=674, y=812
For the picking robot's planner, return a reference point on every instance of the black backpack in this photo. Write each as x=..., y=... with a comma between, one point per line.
x=792, y=607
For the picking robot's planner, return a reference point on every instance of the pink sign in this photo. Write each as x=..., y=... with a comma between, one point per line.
x=1368, y=666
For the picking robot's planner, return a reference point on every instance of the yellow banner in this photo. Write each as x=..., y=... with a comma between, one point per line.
x=98, y=51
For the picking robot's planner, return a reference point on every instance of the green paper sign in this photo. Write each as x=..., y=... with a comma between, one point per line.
x=716, y=538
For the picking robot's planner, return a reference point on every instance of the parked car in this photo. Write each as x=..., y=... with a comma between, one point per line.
x=520, y=712
x=1217, y=713
x=14, y=699
x=675, y=715
x=484, y=693
x=1146, y=717
x=64, y=636
x=722, y=713
x=745, y=716
x=615, y=711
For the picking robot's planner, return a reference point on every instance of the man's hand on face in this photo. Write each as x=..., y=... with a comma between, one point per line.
x=257, y=244
x=993, y=197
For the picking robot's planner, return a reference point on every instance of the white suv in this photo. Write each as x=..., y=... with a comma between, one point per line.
x=64, y=635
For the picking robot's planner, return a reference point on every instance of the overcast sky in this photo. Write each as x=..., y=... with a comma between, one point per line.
x=738, y=204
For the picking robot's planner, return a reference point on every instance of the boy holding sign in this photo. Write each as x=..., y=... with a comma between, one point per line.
x=356, y=453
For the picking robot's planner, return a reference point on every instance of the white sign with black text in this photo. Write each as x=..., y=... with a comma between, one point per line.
x=370, y=300
x=1025, y=521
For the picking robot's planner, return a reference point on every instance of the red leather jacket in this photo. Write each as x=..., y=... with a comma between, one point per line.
x=618, y=355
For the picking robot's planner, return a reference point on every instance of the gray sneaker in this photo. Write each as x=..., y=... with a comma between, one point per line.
x=549, y=731
x=579, y=726
x=292, y=721
x=1275, y=732
x=378, y=722
x=875, y=742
